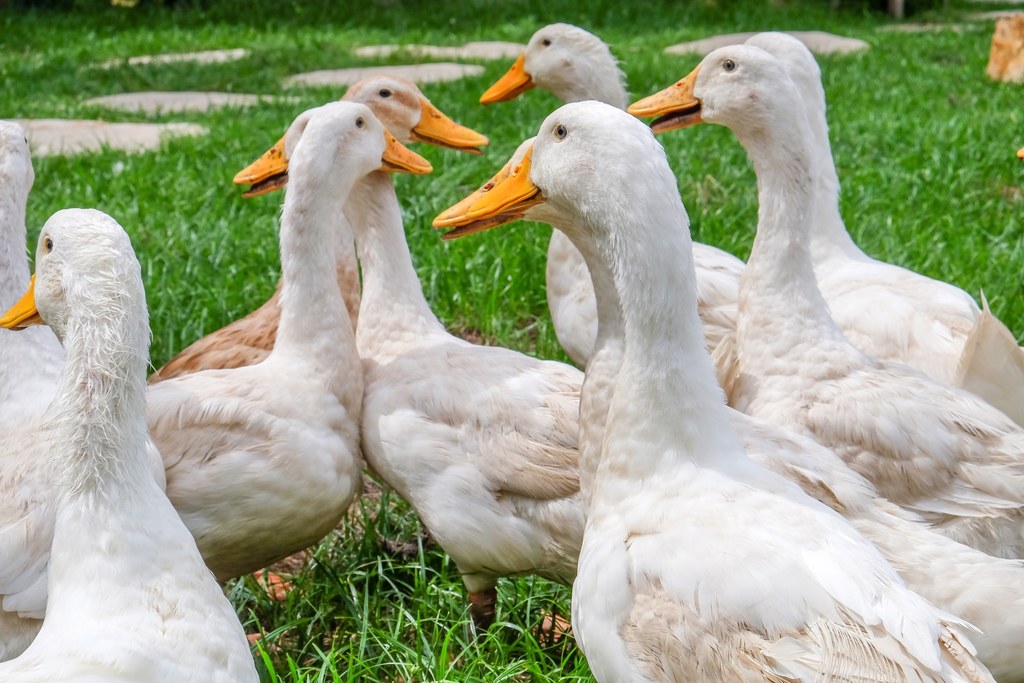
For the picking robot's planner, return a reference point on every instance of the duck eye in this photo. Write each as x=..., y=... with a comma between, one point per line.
x=360, y=122
x=545, y=42
x=47, y=245
x=384, y=92
x=560, y=132
x=729, y=65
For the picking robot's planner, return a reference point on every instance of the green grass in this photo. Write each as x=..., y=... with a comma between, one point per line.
x=923, y=141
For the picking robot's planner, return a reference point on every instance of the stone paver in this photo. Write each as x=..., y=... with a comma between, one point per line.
x=994, y=14
x=418, y=73
x=157, y=102
x=48, y=137
x=203, y=57
x=921, y=28
x=817, y=42
x=488, y=49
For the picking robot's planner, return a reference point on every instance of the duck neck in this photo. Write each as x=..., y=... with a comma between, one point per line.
x=392, y=296
x=602, y=366
x=99, y=413
x=828, y=236
x=314, y=321
x=666, y=390
x=779, y=296
x=599, y=79
x=14, y=273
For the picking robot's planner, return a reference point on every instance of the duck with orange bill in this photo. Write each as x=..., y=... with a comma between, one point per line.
x=928, y=447
x=575, y=65
x=889, y=312
x=410, y=117
x=263, y=460
x=684, y=532
x=127, y=595
x=985, y=590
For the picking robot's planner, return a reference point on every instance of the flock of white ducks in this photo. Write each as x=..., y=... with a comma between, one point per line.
x=702, y=543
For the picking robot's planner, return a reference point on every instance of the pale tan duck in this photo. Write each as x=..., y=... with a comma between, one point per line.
x=576, y=65
x=410, y=117
x=698, y=564
x=928, y=447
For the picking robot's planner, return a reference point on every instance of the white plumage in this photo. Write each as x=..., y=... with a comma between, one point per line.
x=129, y=595
x=263, y=460
x=30, y=362
x=698, y=564
x=889, y=312
x=955, y=577
x=576, y=65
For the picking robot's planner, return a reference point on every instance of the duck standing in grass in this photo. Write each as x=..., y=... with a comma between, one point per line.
x=410, y=117
x=697, y=563
x=889, y=312
x=263, y=460
x=480, y=440
x=576, y=65
x=130, y=598
x=985, y=590
x=937, y=451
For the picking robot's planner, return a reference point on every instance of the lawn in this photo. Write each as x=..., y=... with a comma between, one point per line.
x=924, y=145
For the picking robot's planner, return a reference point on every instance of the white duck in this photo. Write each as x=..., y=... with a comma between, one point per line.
x=987, y=591
x=129, y=595
x=926, y=446
x=263, y=460
x=30, y=362
x=697, y=563
x=410, y=117
x=480, y=440
x=887, y=311
x=576, y=65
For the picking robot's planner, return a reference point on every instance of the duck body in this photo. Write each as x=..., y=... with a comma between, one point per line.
x=480, y=440
x=254, y=476
x=575, y=65
x=121, y=564
x=30, y=362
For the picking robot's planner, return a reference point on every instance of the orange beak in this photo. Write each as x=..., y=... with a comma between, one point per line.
x=270, y=171
x=675, y=106
x=398, y=158
x=24, y=313
x=437, y=129
x=510, y=86
x=503, y=199
x=266, y=174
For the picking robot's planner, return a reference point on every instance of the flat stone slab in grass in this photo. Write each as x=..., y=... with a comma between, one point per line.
x=175, y=102
x=818, y=42
x=49, y=137
x=203, y=57
x=418, y=73
x=488, y=49
x=921, y=28
x=995, y=14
